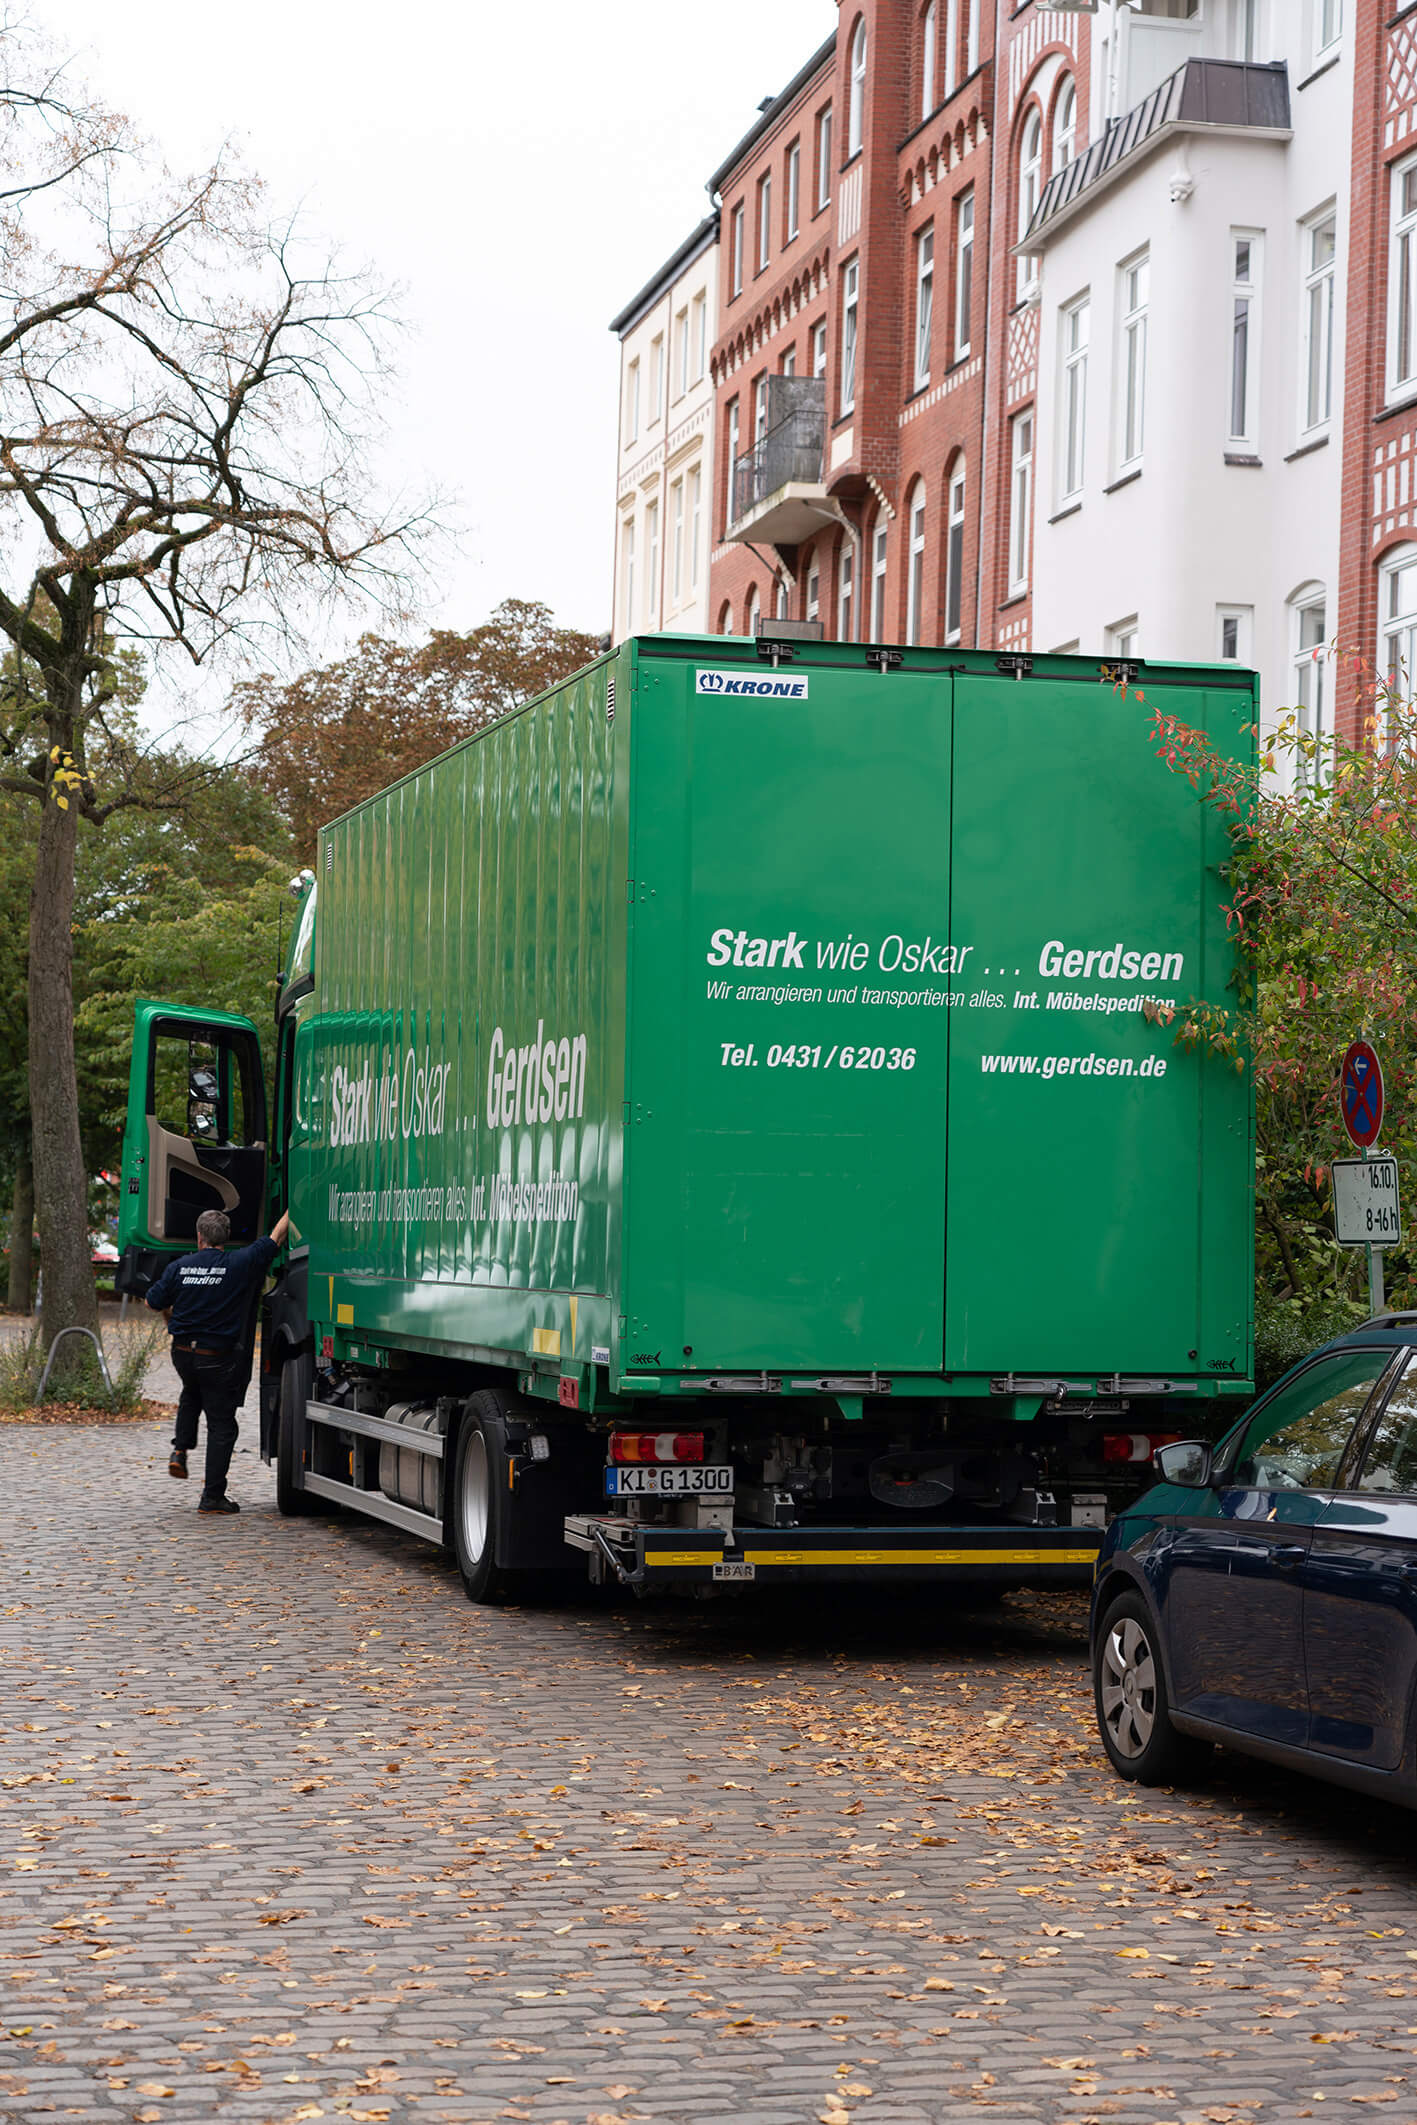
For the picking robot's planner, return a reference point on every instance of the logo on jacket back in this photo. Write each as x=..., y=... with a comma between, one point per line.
x=767, y=686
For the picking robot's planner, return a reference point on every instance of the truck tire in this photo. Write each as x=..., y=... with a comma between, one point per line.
x=1133, y=1705
x=297, y=1378
x=479, y=1500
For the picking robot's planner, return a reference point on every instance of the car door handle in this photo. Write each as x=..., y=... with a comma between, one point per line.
x=1288, y=1554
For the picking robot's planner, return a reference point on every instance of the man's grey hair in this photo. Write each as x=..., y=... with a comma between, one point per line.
x=214, y=1226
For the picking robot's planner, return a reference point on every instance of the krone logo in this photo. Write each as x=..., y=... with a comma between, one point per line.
x=710, y=682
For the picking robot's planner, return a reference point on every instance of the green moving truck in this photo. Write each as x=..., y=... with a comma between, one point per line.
x=723, y=1132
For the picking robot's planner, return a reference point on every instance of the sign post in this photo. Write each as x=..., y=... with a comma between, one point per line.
x=1361, y=1097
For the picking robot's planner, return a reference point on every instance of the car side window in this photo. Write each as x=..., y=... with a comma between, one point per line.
x=1391, y=1460
x=1296, y=1441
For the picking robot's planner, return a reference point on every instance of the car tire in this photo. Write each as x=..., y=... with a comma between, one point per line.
x=297, y=1378
x=478, y=1499
x=1132, y=1703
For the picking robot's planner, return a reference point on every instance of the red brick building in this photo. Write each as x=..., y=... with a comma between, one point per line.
x=877, y=352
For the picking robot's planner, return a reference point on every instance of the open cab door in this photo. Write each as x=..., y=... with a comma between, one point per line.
x=195, y=1137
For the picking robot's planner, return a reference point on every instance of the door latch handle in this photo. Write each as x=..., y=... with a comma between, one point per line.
x=1289, y=1554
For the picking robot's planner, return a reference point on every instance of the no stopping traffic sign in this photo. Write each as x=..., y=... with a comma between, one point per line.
x=1361, y=1094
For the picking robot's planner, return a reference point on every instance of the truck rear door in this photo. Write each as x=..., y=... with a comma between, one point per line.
x=785, y=1133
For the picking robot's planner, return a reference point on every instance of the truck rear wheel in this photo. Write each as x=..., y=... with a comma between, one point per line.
x=479, y=1499
x=297, y=1378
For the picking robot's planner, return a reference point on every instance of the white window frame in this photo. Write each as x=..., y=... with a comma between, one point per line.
x=880, y=556
x=1320, y=283
x=819, y=347
x=954, y=552
x=1021, y=434
x=788, y=365
x=793, y=189
x=681, y=351
x=915, y=561
x=676, y=542
x=824, y=157
x=1402, y=281
x=632, y=401
x=760, y=408
x=696, y=526
x=700, y=337
x=1124, y=639
x=812, y=609
x=1030, y=191
x=753, y=611
x=735, y=250
x=850, y=304
x=656, y=378
x=651, y=562
x=846, y=591
x=1237, y=623
x=764, y=219
x=964, y=272
x=1328, y=27
x=1074, y=337
x=735, y=451
x=781, y=599
x=1242, y=412
x=627, y=552
x=951, y=48
x=1065, y=132
x=1397, y=631
x=924, y=302
x=856, y=103
x=927, y=61
x=971, y=40
x=1310, y=670
x=1133, y=307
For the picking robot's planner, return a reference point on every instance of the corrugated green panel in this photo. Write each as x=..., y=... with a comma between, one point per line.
x=450, y=947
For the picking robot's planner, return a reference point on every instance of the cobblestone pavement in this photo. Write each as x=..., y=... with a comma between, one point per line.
x=290, y=1831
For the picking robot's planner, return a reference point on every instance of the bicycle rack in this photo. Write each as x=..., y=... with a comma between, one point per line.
x=49, y=1361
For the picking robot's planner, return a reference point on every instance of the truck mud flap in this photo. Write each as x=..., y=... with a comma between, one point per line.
x=667, y=1557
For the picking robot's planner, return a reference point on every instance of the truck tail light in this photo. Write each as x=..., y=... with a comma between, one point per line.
x=656, y=1446
x=1135, y=1445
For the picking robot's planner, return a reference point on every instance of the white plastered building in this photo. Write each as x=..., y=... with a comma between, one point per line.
x=664, y=492
x=1190, y=277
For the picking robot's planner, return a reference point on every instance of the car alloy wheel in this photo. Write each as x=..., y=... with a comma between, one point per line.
x=1127, y=1687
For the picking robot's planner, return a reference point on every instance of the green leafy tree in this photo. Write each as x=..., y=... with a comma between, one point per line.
x=1323, y=910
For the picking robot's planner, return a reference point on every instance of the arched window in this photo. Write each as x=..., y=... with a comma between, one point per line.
x=915, y=576
x=927, y=61
x=1065, y=125
x=856, y=105
x=954, y=553
x=752, y=612
x=1030, y=185
x=725, y=618
x=780, y=603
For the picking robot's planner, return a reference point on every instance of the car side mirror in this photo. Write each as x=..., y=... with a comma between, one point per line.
x=1186, y=1464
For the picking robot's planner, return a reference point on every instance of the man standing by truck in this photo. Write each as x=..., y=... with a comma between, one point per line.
x=206, y=1297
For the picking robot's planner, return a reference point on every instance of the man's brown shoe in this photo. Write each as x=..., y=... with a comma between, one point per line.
x=177, y=1466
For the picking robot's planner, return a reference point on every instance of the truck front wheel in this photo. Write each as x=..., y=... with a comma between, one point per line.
x=297, y=1377
x=478, y=1499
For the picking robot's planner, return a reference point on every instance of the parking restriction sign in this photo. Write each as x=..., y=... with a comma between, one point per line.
x=1361, y=1094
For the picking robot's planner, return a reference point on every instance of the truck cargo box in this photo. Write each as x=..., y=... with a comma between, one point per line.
x=718, y=1015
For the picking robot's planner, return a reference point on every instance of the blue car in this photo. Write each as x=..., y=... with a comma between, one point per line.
x=1263, y=1594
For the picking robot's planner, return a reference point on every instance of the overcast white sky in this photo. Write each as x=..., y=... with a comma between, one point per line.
x=521, y=170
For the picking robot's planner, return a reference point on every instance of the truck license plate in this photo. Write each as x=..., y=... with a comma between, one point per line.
x=735, y=1571
x=695, y=1482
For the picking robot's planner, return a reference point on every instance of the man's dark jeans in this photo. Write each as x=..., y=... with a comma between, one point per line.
x=212, y=1384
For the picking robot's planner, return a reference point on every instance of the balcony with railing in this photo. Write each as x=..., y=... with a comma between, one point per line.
x=779, y=493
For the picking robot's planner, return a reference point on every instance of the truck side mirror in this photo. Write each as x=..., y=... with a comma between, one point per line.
x=1186, y=1463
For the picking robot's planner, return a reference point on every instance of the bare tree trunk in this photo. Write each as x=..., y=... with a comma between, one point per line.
x=22, y=1233
x=60, y=1183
